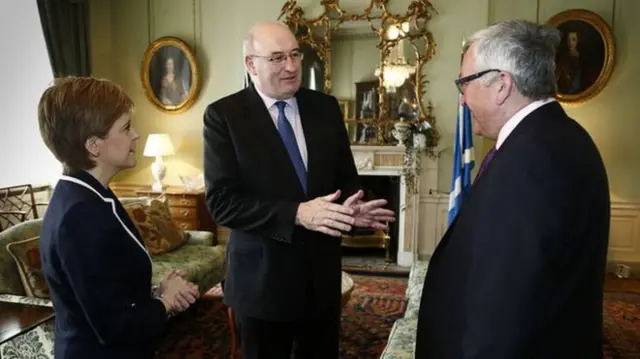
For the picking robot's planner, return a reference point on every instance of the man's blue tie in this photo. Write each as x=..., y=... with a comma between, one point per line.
x=289, y=140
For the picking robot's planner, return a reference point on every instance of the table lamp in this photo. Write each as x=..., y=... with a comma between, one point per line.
x=158, y=145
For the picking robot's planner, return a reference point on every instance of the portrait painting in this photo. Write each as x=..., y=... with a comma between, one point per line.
x=170, y=75
x=585, y=56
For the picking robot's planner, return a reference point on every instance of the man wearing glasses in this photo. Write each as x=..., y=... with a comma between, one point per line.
x=519, y=273
x=280, y=174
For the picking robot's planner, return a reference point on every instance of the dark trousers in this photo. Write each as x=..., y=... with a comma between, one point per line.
x=310, y=339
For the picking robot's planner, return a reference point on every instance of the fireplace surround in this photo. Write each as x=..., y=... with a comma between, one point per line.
x=388, y=161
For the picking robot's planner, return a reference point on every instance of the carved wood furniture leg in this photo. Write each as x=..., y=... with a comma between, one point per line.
x=232, y=329
x=387, y=248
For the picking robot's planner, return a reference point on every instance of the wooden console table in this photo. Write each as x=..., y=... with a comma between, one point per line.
x=188, y=208
x=19, y=318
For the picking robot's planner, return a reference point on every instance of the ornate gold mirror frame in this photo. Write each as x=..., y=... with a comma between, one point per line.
x=317, y=34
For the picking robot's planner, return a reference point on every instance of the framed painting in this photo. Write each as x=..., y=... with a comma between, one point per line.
x=170, y=75
x=586, y=55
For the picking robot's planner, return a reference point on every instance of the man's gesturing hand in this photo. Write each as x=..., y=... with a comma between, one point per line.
x=322, y=215
x=369, y=214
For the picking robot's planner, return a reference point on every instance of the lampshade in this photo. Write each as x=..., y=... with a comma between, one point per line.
x=158, y=144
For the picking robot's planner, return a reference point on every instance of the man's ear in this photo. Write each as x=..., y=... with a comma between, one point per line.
x=249, y=65
x=93, y=146
x=504, y=88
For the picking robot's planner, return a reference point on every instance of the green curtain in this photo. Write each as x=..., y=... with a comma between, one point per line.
x=65, y=24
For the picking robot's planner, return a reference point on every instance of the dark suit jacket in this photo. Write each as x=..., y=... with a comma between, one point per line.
x=99, y=275
x=520, y=272
x=276, y=270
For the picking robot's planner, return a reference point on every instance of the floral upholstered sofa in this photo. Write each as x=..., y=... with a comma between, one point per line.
x=402, y=339
x=195, y=252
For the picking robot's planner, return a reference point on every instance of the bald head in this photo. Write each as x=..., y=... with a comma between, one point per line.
x=263, y=34
x=273, y=60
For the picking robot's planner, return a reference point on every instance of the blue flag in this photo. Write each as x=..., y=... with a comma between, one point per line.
x=463, y=161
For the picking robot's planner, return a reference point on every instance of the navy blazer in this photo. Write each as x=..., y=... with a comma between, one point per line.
x=99, y=275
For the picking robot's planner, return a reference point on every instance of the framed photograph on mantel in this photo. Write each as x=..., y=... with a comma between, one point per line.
x=585, y=57
x=170, y=75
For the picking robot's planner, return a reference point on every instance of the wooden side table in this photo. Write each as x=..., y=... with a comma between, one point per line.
x=188, y=208
x=19, y=318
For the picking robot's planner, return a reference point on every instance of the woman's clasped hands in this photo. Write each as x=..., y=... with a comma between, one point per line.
x=176, y=293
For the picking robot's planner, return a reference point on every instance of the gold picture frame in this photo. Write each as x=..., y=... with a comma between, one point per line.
x=345, y=108
x=170, y=75
x=586, y=56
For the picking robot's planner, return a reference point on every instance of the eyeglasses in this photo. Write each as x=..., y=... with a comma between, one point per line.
x=279, y=58
x=461, y=82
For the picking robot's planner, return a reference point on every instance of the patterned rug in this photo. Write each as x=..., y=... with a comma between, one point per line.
x=375, y=304
x=621, y=325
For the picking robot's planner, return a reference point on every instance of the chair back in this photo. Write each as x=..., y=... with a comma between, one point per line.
x=17, y=204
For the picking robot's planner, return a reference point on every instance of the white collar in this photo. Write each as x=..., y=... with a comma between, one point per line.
x=113, y=208
x=270, y=101
x=511, y=124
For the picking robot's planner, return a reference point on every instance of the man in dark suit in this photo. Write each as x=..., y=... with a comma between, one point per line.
x=277, y=166
x=519, y=274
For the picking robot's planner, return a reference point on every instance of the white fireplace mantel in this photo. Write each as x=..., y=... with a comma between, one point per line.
x=365, y=159
x=388, y=161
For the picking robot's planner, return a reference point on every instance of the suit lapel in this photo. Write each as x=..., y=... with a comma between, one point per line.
x=85, y=180
x=259, y=116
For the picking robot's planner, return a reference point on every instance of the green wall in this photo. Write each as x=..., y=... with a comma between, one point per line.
x=122, y=29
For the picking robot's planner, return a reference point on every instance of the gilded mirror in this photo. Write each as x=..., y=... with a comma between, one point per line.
x=371, y=56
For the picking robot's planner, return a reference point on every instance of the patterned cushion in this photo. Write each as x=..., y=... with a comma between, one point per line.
x=10, y=282
x=26, y=254
x=153, y=221
x=37, y=343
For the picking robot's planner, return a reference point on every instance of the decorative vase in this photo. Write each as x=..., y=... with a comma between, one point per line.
x=401, y=131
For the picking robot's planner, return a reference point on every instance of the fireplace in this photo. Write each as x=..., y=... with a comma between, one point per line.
x=381, y=168
x=383, y=243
